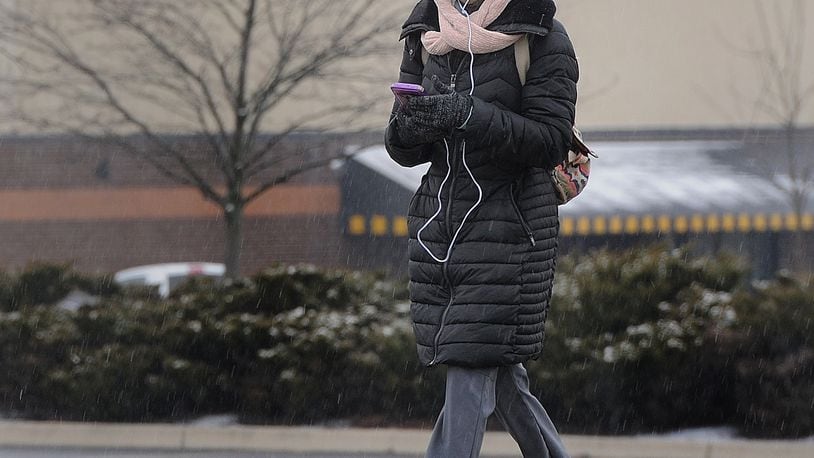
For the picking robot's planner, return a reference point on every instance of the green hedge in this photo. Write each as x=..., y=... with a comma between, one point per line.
x=43, y=283
x=637, y=341
x=289, y=345
x=632, y=342
x=773, y=359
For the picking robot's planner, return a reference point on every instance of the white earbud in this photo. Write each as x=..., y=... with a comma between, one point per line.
x=449, y=165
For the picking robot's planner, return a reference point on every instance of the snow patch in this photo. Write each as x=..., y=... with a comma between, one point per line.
x=215, y=420
x=642, y=177
x=377, y=159
x=706, y=434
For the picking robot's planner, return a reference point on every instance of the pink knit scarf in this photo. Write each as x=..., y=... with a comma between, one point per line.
x=454, y=32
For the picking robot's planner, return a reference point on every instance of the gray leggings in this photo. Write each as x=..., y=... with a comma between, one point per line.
x=472, y=395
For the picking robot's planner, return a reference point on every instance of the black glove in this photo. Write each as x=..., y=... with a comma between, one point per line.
x=443, y=112
x=411, y=133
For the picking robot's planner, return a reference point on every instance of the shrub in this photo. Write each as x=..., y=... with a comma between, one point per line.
x=335, y=346
x=774, y=359
x=340, y=353
x=46, y=284
x=630, y=341
x=6, y=291
x=33, y=343
x=637, y=341
x=142, y=361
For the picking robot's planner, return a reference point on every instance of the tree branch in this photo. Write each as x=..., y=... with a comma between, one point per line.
x=176, y=60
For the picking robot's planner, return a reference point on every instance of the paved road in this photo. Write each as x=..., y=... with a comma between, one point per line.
x=81, y=453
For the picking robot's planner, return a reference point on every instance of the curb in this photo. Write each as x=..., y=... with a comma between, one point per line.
x=172, y=437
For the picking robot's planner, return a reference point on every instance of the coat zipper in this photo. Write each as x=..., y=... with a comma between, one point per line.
x=448, y=220
x=437, y=338
x=454, y=159
x=454, y=74
x=523, y=223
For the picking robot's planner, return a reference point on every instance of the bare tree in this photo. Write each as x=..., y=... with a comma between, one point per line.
x=226, y=71
x=776, y=51
x=786, y=90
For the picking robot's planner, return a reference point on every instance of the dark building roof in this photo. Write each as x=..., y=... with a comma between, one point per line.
x=731, y=181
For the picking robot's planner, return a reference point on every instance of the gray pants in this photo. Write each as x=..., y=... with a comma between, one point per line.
x=472, y=395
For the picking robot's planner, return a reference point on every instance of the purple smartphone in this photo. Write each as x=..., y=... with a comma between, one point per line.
x=402, y=91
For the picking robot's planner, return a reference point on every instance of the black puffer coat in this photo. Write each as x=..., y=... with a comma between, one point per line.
x=487, y=305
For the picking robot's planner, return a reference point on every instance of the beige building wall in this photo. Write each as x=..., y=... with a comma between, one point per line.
x=669, y=64
x=646, y=64
x=675, y=63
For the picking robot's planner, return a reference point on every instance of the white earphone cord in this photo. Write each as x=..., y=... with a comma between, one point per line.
x=449, y=165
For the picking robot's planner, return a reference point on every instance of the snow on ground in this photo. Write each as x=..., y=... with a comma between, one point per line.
x=706, y=434
x=215, y=420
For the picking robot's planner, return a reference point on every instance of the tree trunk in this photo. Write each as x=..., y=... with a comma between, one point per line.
x=234, y=239
x=797, y=197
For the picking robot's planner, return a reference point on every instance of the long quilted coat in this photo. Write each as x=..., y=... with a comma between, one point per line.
x=487, y=305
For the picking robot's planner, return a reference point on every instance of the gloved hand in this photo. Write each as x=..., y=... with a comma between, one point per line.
x=411, y=133
x=444, y=112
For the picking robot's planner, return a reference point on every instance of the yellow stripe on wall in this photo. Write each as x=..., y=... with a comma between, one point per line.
x=400, y=226
x=648, y=224
x=760, y=223
x=696, y=224
x=744, y=223
x=381, y=225
x=680, y=224
x=616, y=225
x=792, y=222
x=600, y=225
x=631, y=225
x=584, y=226
x=713, y=223
x=729, y=223
x=567, y=227
x=665, y=223
x=357, y=225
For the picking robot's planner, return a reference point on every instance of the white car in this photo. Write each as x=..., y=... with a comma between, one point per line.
x=168, y=276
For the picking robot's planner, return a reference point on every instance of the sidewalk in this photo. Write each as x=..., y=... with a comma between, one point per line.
x=351, y=440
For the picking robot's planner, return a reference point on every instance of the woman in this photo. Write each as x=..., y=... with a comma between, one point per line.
x=483, y=224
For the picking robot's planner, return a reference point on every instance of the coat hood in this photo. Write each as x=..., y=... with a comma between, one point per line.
x=520, y=16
